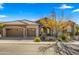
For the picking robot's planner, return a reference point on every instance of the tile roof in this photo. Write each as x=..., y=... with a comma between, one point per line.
x=21, y=22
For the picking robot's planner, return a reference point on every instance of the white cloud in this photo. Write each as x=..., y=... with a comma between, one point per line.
x=3, y=16
x=76, y=10
x=64, y=6
x=1, y=6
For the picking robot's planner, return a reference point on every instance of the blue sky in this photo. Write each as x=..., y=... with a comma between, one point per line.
x=35, y=11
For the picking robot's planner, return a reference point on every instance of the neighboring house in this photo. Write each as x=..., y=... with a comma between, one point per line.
x=20, y=28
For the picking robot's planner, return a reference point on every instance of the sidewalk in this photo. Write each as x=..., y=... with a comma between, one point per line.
x=32, y=42
x=15, y=41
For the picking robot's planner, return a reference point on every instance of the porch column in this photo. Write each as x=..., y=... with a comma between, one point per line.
x=24, y=33
x=37, y=31
x=4, y=32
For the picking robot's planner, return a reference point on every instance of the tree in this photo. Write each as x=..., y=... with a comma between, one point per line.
x=77, y=29
x=2, y=25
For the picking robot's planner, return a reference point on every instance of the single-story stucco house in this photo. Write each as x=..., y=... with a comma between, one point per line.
x=26, y=28
x=20, y=28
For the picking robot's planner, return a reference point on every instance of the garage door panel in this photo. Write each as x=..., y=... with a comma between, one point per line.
x=31, y=32
x=14, y=32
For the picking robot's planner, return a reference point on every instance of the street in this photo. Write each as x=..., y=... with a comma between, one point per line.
x=26, y=47
x=22, y=47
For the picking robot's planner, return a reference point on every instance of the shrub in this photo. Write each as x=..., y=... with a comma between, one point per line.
x=37, y=39
x=63, y=38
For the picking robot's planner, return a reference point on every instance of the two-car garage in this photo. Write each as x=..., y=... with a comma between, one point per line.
x=19, y=32
x=20, y=29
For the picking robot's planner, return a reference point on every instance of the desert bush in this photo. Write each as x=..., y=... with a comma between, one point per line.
x=64, y=38
x=37, y=39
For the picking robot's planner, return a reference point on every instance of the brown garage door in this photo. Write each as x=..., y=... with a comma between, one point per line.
x=31, y=32
x=14, y=32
